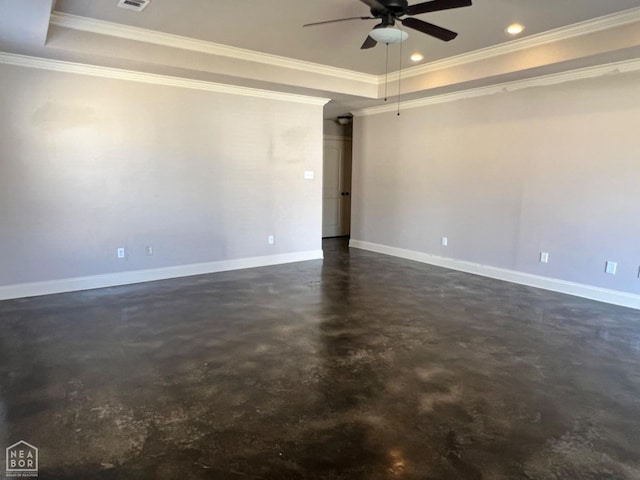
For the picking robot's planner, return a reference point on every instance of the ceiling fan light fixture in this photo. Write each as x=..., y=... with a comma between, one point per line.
x=388, y=35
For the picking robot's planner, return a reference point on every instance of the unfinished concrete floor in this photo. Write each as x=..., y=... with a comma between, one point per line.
x=361, y=367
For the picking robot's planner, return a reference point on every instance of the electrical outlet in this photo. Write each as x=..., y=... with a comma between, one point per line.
x=271, y=240
x=445, y=241
x=121, y=252
x=148, y=250
x=611, y=267
x=544, y=257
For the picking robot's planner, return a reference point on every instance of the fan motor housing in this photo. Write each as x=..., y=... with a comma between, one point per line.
x=395, y=7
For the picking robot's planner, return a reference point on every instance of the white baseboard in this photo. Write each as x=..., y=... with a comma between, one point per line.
x=138, y=276
x=571, y=288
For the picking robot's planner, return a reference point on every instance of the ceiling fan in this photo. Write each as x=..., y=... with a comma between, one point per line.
x=388, y=11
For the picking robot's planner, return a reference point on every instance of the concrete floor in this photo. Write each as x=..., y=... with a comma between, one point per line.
x=361, y=367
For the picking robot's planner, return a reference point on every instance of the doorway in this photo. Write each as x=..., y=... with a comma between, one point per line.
x=336, y=186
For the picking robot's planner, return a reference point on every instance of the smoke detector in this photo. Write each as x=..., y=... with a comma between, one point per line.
x=135, y=5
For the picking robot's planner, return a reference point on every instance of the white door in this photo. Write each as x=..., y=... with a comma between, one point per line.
x=336, y=183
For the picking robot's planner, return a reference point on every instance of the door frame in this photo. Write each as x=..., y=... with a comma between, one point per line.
x=346, y=144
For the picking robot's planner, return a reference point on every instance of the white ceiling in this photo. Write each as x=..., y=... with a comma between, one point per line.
x=275, y=27
x=260, y=44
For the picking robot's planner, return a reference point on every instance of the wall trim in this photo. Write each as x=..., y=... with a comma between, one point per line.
x=102, y=27
x=139, y=276
x=127, y=32
x=590, y=292
x=626, y=66
x=587, y=27
x=152, y=78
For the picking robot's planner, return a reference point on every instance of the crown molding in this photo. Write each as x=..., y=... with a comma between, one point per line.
x=102, y=27
x=543, y=80
x=127, y=32
x=129, y=75
x=587, y=27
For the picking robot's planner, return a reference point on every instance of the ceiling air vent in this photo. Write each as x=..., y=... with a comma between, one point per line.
x=137, y=5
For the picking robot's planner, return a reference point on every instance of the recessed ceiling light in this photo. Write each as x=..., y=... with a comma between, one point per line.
x=515, y=29
x=416, y=57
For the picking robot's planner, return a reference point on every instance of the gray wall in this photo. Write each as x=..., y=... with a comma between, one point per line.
x=91, y=164
x=332, y=127
x=506, y=176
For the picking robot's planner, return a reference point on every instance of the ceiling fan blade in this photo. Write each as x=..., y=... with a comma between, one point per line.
x=436, y=5
x=338, y=20
x=430, y=29
x=375, y=4
x=368, y=43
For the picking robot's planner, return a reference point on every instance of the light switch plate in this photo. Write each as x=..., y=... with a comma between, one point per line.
x=309, y=175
